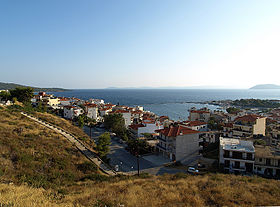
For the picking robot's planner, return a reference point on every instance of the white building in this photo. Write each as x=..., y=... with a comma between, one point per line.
x=236, y=156
x=92, y=111
x=96, y=101
x=70, y=112
x=149, y=127
x=196, y=125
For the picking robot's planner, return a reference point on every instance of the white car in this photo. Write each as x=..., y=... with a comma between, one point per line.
x=192, y=170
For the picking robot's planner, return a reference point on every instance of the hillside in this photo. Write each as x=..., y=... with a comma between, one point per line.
x=33, y=154
x=266, y=86
x=8, y=86
x=46, y=170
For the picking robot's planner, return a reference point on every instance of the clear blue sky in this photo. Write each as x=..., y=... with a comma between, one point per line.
x=129, y=43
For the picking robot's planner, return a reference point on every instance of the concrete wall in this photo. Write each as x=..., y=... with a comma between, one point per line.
x=187, y=146
x=259, y=127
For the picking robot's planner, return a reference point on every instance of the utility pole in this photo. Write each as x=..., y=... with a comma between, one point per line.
x=138, y=165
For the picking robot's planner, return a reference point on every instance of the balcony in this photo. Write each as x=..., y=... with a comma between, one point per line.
x=238, y=158
x=161, y=147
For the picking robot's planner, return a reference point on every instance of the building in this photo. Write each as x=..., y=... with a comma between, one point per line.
x=92, y=111
x=149, y=126
x=196, y=125
x=267, y=161
x=96, y=101
x=179, y=143
x=236, y=156
x=64, y=101
x=126, y=115
x=202, y=115
x=70, y=112
x=248, y=126
x=227, y=130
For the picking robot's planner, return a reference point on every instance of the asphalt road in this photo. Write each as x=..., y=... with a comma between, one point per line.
x=125, y=161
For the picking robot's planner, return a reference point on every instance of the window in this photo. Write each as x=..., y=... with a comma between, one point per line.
x=268, y=161
x=260, y=159
x=259, y=169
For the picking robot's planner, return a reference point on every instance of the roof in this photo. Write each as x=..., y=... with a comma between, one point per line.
x=136, y=126
x=249, y=118
x=237, y=145
x=199, y=112
x=195, y=123
x=266, y=152
x=90, y=105
x=174, y=131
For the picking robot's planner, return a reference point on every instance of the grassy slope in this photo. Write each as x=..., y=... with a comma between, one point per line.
x=38, y=156
x=66, y=125
x=41, y=158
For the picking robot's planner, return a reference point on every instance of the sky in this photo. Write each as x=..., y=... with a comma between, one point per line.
x=128, y=43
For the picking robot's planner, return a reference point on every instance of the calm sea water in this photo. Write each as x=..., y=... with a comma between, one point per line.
x=170, y=102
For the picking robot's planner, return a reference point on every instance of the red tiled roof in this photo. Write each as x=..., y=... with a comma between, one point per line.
x=230, y=125
x=199, y=112
x=90, y=105
x=249, y=118
x=195, y=123
x=176, y=131
x=136, y=126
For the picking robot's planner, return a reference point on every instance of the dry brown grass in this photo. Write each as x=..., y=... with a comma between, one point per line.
x=38, y=154
x=67, y=126
x=206, y=190
x=31, y=153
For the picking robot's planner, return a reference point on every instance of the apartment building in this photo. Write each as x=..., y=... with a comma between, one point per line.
x=236, y=156
x=267, y=161
x=202, y=115
x=248, y=126
x=178, y=143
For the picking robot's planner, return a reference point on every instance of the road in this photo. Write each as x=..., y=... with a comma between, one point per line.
x=127, y=162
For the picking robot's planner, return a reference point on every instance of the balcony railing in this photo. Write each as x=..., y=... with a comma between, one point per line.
x=238, y=158
x=161, y=147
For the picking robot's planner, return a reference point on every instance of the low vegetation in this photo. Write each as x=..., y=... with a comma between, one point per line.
x=38, y=167
x=256, y=103
x=33, y=154
x=167, y=190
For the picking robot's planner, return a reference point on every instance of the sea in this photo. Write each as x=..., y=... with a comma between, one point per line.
x=174, y=103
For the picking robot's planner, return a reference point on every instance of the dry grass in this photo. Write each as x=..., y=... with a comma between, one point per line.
x=39, y=157
x=169, y=191
x=33, y=154
x=68, y=126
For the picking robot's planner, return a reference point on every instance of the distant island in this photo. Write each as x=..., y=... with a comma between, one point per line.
x=266, y=86
x=9, y=86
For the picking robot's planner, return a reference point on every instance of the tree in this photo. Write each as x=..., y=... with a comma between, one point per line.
x=115, y=123
x=81, y=121
x=5, y=95
x=102, y=147
x=22, y=94
x=233, y=110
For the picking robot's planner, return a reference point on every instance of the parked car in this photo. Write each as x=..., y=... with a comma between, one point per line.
x=192, y=170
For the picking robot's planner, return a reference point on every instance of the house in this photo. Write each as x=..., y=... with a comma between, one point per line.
x=96, y=101
x=179, y=143
x=92, y=111
x=70, y=112
x=196, y=125
x=105, y=111
x=227, y=130
x=248, y=126
x=267, y=161
x=236, y=156
x=150, y=126
x=64, y=101
x=126, y=115
x=199, y=115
